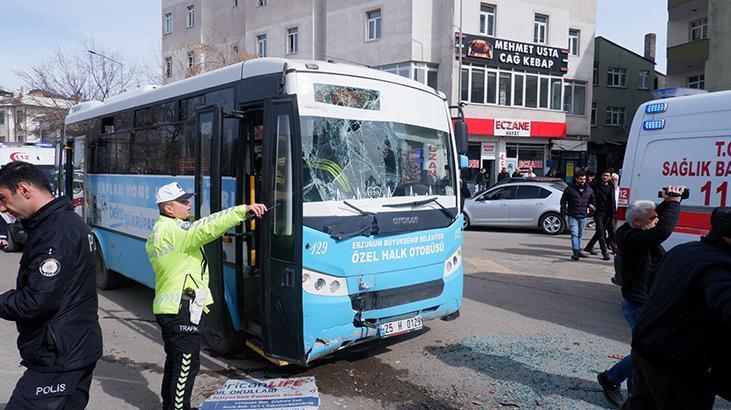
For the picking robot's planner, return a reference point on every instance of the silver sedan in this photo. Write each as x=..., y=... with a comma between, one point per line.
x=521, y=204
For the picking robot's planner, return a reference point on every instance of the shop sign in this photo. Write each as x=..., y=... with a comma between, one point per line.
x=488, y=150
x=530, y=164
x=474, y=163
x=512, y=128
x=514, y=54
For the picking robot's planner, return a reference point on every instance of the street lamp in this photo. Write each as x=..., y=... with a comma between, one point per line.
x=121, y=67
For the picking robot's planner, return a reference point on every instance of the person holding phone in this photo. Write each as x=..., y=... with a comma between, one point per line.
x=640, y=244
x=175, y=249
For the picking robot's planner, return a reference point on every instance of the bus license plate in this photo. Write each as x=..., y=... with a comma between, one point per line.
x=400, y=326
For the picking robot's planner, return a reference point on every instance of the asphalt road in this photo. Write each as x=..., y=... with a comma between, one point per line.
x=534, y=331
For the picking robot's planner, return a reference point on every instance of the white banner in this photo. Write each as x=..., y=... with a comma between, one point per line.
x=489, y=150
x=296, y=393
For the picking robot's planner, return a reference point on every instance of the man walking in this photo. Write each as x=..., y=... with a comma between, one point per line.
x=576, y=200
x=181, y=283
x=603, y=215
x=503, y=174
x=54, y=304
x=680, y=345
x=481, y=180
x=640, y=245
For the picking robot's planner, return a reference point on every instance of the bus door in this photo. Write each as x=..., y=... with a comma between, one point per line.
x=218, y=331
x=280, y=255
x=250, y=147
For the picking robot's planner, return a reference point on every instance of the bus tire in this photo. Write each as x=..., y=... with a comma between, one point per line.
x=105, y=278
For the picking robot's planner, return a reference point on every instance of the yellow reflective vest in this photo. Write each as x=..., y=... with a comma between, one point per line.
x=175, y=250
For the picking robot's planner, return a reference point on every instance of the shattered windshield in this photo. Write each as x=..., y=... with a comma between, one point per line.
x=357, y=159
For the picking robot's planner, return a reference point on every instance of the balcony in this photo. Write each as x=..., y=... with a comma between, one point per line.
x=676, y=3
x=687, y=53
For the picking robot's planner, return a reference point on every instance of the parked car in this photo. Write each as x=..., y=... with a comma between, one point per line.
x=525, y=203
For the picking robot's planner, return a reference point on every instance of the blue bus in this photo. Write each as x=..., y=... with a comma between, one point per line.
x=363, y=167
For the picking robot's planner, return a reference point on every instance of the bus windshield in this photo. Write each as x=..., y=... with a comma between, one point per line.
x=357, y=159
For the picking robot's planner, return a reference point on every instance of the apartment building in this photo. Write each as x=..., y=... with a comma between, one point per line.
x=622, y=81
x=699, y=35
x=522, y=68
x=31, y=116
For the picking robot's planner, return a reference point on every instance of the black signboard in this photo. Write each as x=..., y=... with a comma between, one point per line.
x=513, y=54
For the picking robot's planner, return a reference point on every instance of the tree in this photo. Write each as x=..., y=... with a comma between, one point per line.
x=68, y=78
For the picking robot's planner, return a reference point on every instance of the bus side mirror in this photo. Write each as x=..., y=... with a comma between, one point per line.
x=464, y=162
x=460, y=135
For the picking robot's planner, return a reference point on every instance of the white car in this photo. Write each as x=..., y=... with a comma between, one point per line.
x=526, y=203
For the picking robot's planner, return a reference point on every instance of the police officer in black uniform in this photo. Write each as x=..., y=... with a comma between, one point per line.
x=54, y=304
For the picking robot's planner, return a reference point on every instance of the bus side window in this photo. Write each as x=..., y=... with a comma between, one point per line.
x=283, y=179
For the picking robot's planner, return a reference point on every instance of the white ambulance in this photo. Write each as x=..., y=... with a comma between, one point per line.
x=680, y=141
x=41, y=155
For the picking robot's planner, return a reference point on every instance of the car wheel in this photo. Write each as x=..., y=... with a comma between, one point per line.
x=552, y=224
x=465, y=221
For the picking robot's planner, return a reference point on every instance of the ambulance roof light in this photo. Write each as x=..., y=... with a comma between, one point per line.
x=652, y=125
x=656, y=108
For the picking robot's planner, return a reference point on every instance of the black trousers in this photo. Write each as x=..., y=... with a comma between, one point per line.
x=667, y=388
x=182, y=341
x=60, y=390
x=601, y=222
x=611, y=228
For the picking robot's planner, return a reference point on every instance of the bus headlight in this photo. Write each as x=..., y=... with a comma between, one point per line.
x=453, y=262
x=320, y=284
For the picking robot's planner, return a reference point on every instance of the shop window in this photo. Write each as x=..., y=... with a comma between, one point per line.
x=555, y=94
x=543, y=93
x=477, y=88
x=505, y=88
x=465, y=85
x=531, y=91
x=518, y=90
x=491, y=87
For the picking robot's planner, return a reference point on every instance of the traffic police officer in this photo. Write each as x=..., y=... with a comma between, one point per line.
x=54, y=304
x=181, y=283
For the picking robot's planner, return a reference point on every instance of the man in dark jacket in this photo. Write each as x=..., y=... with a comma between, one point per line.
x=640, y=245
x=603, y=215
x=576, y=201
x=503, y=174
x=54, y=304
x=680, y=345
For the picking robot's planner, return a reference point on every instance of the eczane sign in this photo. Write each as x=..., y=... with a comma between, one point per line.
x=512, y=128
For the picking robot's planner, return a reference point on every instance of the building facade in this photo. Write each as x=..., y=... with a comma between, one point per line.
x=622, y=81
x=31, y=116
x=699, y=35
x=521, y=68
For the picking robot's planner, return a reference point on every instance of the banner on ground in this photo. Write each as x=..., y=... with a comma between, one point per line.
x=295, y=393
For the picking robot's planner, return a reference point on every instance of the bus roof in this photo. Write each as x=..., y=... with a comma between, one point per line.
x=250, y=68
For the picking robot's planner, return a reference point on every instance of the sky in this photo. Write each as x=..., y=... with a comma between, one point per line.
x=35, y=29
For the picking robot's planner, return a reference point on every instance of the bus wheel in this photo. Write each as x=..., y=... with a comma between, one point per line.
x=105, y=278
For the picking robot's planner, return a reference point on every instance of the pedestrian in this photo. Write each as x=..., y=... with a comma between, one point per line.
x=560, y=175
x=517, y=173
x=503, y=174
x=55, y=303
x=174, y=247
x=481, y=180
x=528, y=173
x=604, y=213
x=640, y=245
x=576, y=201
x=611, y=242
x=464, y=191
x=680, y=344
x=549, y=174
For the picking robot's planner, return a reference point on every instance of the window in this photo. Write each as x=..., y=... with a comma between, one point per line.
x=518, y=87
x=507, y=192
x=168, y=23
x=191, y=15
x=574, y=42
x=262, y=45
x=262, y=3
x=555, y=93
x=168, y=67
x=477, y=89
x=465, y=84
x=616, y=77
x=543, y=92
x=615, y=116
x=643, y=82
x=595, y=76
x=697, y=81
x=236, y=3
x=283, y=189
x=698, y=29
x=531, y=91
x=190, y=59
x=574, y=97
x=2, y=117
x=487, y=19
x=528, y=192
x=540, y=29
x=593, y=114
x=505, y=88
x=373, y=22
x=292, y=40
x=483, y=85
